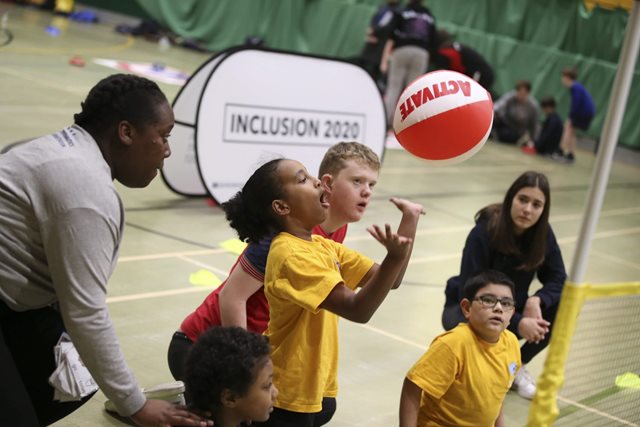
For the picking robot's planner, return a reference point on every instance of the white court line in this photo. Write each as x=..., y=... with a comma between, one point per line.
x=392, y=336
x=434, y=258
x=427, y=259
x=169, y=292
x=595, y=411
x=616, y=259
x=366, y=236
x=429, y=232
x=453, y=169
x=39, y=109
x=459, y=228
x=45, y=83
x=224, y=273
x=171, y=255
x=604, y=234
x=565, y=240
x=603, y=214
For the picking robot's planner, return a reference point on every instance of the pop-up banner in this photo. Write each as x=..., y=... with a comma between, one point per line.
x=180, y=171
x=255, y=105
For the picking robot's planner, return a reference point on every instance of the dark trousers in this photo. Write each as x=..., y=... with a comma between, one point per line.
x=27, y=340
x=282, y=418
x=452, y=315
x=505, y=132
x=177, y=354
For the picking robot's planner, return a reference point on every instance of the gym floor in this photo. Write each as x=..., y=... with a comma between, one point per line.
x=169, y=237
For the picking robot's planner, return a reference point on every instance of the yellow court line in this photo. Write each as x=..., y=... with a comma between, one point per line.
x=74, y=50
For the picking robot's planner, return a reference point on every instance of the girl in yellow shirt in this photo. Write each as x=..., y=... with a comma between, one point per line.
x=310, y=281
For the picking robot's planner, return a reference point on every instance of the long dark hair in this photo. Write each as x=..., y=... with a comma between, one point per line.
x=249, y=211
x=532, y=244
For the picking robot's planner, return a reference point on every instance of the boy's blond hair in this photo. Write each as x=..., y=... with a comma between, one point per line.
x=334, y=159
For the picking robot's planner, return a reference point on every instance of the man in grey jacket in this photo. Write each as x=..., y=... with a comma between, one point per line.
x=61, y=224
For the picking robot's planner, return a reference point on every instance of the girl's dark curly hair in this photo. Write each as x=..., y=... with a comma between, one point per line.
x=119, y=97
x=249, y=212
x=223, y=358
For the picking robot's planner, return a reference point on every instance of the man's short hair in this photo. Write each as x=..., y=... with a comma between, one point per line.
x=524, y=84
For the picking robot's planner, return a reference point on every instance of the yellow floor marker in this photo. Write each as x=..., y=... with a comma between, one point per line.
x=628, y=380
x=235, y=246
x=204, y=278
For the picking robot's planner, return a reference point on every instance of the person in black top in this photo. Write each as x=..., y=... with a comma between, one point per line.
x=455, y=56
x=515, y=237
x=377, y=35
x=406, y=54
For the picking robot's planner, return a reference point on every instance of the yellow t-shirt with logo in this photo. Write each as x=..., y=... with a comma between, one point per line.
x=299, y=276
x=464, y=379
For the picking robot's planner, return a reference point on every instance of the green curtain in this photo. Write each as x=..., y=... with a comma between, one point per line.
x=523, y=39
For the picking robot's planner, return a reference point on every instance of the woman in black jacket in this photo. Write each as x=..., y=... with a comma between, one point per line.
x=515, y=238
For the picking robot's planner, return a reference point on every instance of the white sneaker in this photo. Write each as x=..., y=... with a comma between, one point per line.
x=172, y=392
x=524, y=384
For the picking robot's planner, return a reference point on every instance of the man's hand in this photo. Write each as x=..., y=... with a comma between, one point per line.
x=158, y=413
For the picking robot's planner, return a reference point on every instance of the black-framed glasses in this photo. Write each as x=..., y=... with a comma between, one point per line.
x=490, y=301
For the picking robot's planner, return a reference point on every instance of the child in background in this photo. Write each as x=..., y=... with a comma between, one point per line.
x=228, y=374
x=465, y=374
x=548, y=141
x=452, y=55
x=310, y=279
x=516, y=114
x=349, y=172
x=581, y=114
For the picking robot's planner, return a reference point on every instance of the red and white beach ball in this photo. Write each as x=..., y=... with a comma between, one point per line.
x=444, y=117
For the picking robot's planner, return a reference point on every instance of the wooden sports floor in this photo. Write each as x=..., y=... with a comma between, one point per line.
x=169, y=238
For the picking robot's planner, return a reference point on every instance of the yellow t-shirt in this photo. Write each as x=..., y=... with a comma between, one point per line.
x=464, y=379
x=299, y=276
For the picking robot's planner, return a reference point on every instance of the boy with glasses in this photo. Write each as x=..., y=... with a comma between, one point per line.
x=463, y=377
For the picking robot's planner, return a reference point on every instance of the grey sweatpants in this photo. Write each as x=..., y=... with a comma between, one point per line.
x=406, y=64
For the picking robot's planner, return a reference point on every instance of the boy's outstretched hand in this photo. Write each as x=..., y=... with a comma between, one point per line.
x=407, y=207
x=397, y=245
